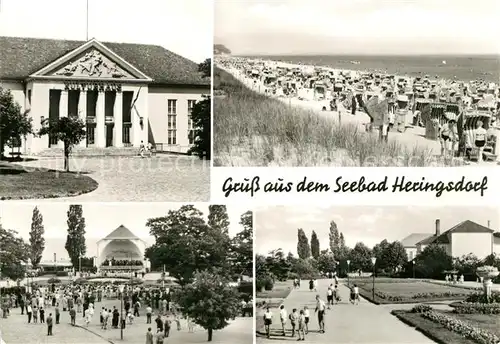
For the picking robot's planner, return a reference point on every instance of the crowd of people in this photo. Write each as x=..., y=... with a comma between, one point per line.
x=122, y=262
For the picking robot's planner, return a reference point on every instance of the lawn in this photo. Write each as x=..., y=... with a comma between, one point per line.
x=441, y=334
x=251, y=129
x=273, y=299
x=410, y=291
x=18, y=182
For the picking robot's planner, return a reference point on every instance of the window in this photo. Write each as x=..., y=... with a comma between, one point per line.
x=172, y=121
x=172, y=106
x=172, y=137
x=191, y=134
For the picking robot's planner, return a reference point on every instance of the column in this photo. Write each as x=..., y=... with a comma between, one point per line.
x=117, y=116
x=63, y=104
x=100, y=121
x=82, y=113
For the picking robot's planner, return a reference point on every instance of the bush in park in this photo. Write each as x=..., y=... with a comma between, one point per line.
x=246, y=287
x=421, y=309
x=476, y=308
x=62, y=273
x=209, y=301
x=481, y=298
x=53, y=280
x=268, y=283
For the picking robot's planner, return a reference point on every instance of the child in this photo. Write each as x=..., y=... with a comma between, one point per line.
x=190, y=325
x=356, y=294
x=294, y=317
x=268, y=320
x=306, y=319
x=329, y=296
x=336, y=295
x=302, y=325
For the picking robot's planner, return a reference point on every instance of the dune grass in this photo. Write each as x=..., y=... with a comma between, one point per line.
x=251, y=129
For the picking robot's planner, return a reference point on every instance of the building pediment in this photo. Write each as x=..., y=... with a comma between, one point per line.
x=91, y=61
x=92, y=64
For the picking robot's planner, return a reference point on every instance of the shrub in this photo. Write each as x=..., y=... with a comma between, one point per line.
x=62, y=273
x=476, y=334
x=476, y=308
x=53, y=280
x=481, y=298
x=268, y=283
x=246, y=288
x=421, y=309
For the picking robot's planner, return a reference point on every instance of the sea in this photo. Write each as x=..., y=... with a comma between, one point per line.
x=458, y=67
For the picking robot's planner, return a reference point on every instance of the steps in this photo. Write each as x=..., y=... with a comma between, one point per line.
x=77, y=151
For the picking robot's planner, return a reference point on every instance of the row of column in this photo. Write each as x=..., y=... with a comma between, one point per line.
x=100, y=118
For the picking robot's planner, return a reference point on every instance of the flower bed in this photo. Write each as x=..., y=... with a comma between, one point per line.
x=481, y=298
x=478, y=335
x=475, y=308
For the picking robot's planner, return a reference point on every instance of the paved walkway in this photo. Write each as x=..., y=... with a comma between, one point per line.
x=164, y=178
x=347, y=323
x=16, y=330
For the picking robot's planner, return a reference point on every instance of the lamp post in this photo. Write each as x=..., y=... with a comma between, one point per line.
x=120, y=288
x=348, y=263
x=413, y=266
x=374, y=260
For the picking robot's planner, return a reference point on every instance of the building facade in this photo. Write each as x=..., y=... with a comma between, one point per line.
x=124, y=93
x=465, y=238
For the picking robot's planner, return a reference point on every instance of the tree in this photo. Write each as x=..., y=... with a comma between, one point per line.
x=218, y=218
x=243, y=245
x=37, y=241
x=14, y=125
x=305, y=268
x=361, y=257
x=432, y=262
x=334, y=238
x=396, y=256
x=70, y=130
x=185, y=243
x=276, y=265
x=467, y=265
x=201, y=117
x=315, y=245
x=75, y=240
x=380, y=251
x=206, y=68
x=343, y=250
x=326, y=262
x=303, y=248
x=14, y=254
x=209, y=301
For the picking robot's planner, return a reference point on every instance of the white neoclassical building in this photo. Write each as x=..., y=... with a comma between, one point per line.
x=121, y=249
x=125, y=93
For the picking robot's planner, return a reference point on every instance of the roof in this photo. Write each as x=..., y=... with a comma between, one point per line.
x=413, y=239
x=21, y=57
x=466, y=226
x=121, y=232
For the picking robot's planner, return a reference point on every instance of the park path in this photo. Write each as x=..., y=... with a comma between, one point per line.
x=347, y=323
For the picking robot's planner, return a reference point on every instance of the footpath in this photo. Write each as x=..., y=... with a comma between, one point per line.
x=344, y=322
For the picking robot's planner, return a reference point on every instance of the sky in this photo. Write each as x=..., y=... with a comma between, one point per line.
x=276, y=227
x=297, y=27
x=183, y=27
x=100, y=219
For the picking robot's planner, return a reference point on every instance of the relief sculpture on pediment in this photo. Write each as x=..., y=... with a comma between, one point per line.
x=93, y=64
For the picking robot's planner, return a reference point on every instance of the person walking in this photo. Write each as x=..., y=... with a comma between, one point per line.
x=306, y=319
x=268, y=320
x=149, y=336
x=320, y=309
x=149, y=312
x=42, y=315
x=294, y=318
x=283, y=318
x=49, y=324
x=167, y=326
x=302, y=326
x=72, y=315
x=311, y=285
x=159, y=324
x=29, y=312
x=58, y=314
x=329, y=296
x=35, y=315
